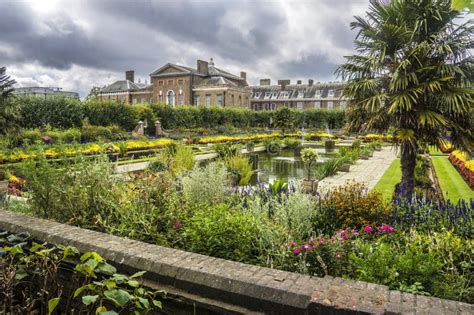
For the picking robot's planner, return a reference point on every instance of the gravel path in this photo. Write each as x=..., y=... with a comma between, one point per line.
x=366, y=171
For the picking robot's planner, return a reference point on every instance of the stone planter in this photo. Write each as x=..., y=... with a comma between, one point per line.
x=309, y=186
x=344, y=167
x=378, y=148
x=371, y=154
x=364, y=157
x=3, y=186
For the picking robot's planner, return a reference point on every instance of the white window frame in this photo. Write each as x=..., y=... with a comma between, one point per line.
x=167, y=98
x=330, y=105
x=208, y=100
x=267, y=95
x=317, y=104
x=299, y=105
x=331, y=93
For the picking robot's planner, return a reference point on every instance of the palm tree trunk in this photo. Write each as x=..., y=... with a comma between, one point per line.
x=408, y=163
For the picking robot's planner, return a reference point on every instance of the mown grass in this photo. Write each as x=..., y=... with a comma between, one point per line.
x=391, y=177
x=452, y=184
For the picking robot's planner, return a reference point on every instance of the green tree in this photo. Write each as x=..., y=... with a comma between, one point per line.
x=8, y=109
x=285, y=119
x=413, y=72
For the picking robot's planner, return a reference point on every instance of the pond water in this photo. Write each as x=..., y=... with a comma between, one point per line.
x=286, y=165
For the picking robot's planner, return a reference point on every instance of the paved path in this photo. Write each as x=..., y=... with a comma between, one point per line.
x=366, y=171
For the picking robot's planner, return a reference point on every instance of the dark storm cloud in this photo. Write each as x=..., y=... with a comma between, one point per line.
x=205, y=22
x=65, y=43
x=311, y=67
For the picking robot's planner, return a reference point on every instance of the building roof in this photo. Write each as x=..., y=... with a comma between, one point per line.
x=123, y=86
x=46, y=91
x=297, y=91
x=179, y=70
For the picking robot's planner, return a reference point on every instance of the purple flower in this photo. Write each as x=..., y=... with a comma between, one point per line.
x=178, y=224
x=368, y=229
x=355, y=232
x=321, y=241
x=296, y=251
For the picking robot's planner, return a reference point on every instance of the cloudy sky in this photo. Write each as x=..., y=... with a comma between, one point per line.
x=79, y=44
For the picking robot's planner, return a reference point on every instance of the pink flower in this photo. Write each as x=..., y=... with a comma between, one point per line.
x=355, y=232
x=178, y=224
x=321, y=241
x=386, y=228
x=296, y=251
x=293, y=243
x=306, y=247
x=311, y=241
x=368, y=229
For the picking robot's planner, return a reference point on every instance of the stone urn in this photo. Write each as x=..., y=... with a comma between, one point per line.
x=378, y=147
x=309, y=186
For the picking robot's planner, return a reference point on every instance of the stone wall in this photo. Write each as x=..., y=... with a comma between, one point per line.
x=220, y=286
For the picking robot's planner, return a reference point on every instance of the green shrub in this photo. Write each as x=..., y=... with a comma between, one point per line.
x=223, y=232
x=226, y=150
x=329, y=145
x=206, y=185
x=354, y=206
x=291, y=143
x=309, y=156
x=356, y=144
x=239, y=168
x=57, y=112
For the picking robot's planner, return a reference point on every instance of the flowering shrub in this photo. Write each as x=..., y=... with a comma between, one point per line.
x=329, y=255
x=244, y=138
x=446, y=147
x=460, y=160
x=353, y=205
x=430, y=215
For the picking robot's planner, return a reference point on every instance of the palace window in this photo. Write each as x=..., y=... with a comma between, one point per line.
x=170, y=82
x=219, y=100
x=275, y=95
x=272, y=106
x=330, y=105
x=208, y=100
x=160, y=83
x=299, y=105
x=317, y=104
x=180, y=82
x=160, y=98
x=284, y=94
x=317, y=93
x=196, y=99
x=257, y=94
x=267, y=95
x=170, y=98
x=331, y=93
x=300, y=94
x=181, y=99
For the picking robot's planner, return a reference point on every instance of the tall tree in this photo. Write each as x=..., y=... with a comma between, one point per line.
x=8, y=110
x=413, y=72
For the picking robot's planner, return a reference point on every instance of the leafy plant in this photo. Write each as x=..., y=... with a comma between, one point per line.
x=239, y=167
x=309, y=156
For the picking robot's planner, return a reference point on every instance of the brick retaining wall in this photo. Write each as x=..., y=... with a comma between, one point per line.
x=247, y=287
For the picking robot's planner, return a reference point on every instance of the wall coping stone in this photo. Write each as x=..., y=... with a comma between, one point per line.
x=257, y=288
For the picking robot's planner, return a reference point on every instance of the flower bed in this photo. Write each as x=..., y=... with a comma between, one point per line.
x=18, y=155
x=376, y=137
x=466, y=167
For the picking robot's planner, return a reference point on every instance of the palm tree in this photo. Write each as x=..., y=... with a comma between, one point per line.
x=413, y=74
x=8, y=111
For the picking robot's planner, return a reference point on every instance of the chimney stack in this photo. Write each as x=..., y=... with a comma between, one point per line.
x=283, y=83
x=130, y=75
x=298, y=82
x=203, y=67
x=243, y=75
x=310, y=82
x=265, y=82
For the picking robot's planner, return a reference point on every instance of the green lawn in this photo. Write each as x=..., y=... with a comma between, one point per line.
x=391, y=177
x=452, y=184
x=434, y=151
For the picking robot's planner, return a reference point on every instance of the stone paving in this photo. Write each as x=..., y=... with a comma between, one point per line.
x=366, y=171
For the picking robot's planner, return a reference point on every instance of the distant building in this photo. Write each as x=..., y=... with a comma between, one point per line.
x=298, y=96
x=177, y=85
x=44, y=92
x=127, y=91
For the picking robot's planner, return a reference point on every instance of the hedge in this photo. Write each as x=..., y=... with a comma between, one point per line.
x=59, y=112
